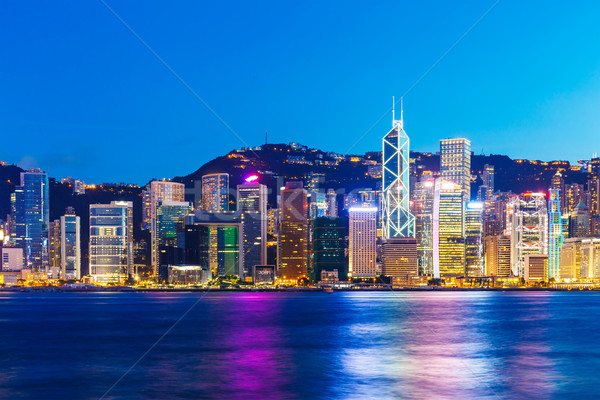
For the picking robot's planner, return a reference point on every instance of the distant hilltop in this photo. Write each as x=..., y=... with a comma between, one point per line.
x=276, y=163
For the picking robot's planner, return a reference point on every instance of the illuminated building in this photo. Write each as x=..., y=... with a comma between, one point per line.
x=590, y=258
x=30, y=218
x=216, y=240
x=362, y=260
x=215, y=193
x=78, y=187
x=574, y=194
x=11, y=258
x=329, y=247
x=527, y=224
x=263, y=274
x=273, y=217
x=579, y=221
x=486, y=190
x=423, y=211
x=54, y=244
x=570, y=259
x=448, y=232
x=555, y=232
x=70, y=245
x=455, y=164
x=474, y=238
x=293, y=233
x=497, y=255
x=156, y=193
x=252, y=208
x=536, y=267
x=332, y=208
x=171, y=218
x=396, y=216
x=558, y=183
x=111, y=241
x=399, y=259
x=188, y=275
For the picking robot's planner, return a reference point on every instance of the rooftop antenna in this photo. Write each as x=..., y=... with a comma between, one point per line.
x=266, y=141
x=393, y=110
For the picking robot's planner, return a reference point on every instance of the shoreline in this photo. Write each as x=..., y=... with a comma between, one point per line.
x=54, y=289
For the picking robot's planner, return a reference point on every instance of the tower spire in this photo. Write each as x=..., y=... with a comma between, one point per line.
x=402, y=110
x=393, y=110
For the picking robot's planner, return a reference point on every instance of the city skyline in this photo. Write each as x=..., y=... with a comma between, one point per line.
x=65, y=91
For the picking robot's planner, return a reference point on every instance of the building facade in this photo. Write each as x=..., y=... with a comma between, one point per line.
x=293, y=233
x=455, y=164
x=111, y=241
x=362, y=246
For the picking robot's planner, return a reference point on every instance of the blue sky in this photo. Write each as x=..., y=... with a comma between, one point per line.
x=82, y=96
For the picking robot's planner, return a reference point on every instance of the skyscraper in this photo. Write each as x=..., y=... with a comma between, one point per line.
x=70, y=245
x=455, y=164
x=555, y=232
x=215, y=193
x=293, y=233
x=474, y=238
x=527, y=225
x=332, y=208
x=362, y=261
x=111, y=241
x=448, y=230
x=397, y=218
x=423, y=210
x=328, y=247
x=252, y=207
x=156, y=193
x=579, y=222
x=30, y=217
x=497, y=255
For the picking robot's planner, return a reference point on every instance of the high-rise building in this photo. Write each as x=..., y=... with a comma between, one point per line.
x=590, y=258
x=156, y=193
x=527, y=225
x=423, y=211
x=111, y=241
x=574, y=194
x=455, y=164
x=293, y=233
x=558, y=183
x=399, y=259
x=54, y=244
x=362, y=260
x=555, y=232
x=486, y=190
x=497, y=255
x=448, y=230
x=474, y=263
x=579, y=221
x=170, y=223
x=329, y=248
x=215, y=193
x=252, y=208
x=30, y=218
x=570, y=259
x=332, y=207
x=70, y=245
x=489, y=179
x=396, y=216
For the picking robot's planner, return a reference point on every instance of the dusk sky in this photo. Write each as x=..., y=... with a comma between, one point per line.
x=83, y=97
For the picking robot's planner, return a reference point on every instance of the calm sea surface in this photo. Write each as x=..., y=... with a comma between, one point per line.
x=300, y=345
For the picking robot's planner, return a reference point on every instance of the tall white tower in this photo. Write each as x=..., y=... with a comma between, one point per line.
x=397, y=218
